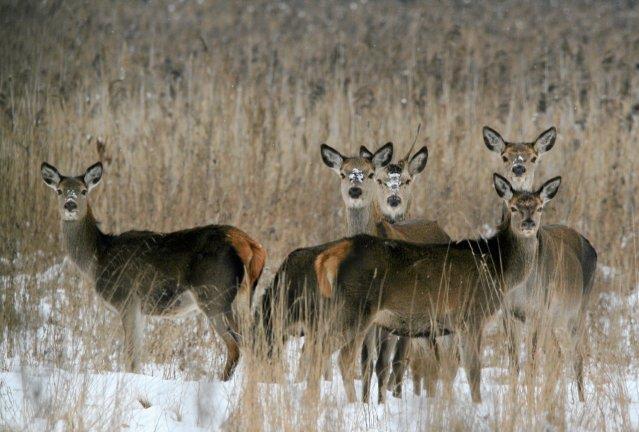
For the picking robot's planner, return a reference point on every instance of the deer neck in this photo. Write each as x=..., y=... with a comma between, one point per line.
x=82, y=239
x=360, y=220
x=517, y=255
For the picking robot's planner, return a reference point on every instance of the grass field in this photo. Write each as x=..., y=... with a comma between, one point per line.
x=213, y=112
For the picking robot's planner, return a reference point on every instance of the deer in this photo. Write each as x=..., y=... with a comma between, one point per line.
x=394, y=191
x=296, y=274
x=558, y=291
x=168, y=275
x=454, y=288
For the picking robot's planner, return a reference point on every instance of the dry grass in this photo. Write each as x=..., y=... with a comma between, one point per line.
x=206, y=113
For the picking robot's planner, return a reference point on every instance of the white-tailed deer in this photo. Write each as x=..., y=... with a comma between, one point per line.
x=394, y=192
x=357, y=184
x=455, y=288
x=168, y=275
x=296, y=273
x=559, y=288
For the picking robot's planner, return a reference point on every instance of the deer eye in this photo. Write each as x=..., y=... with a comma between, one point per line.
x=342, y=175
x=371, y=175
x=534, y=159
x=540, y=209
x=407, y=182
x=504, y=158
x=379, y=181
x=59, y=191
x=83, y=191
x=513, y=209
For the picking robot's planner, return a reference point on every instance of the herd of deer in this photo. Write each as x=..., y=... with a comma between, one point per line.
x=399, y=291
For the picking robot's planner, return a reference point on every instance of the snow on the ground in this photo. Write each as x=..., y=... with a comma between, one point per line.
x=45, y=398
x=40, y=399
x=114, y=401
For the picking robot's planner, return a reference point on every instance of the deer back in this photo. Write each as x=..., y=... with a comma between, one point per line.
x=414, y=230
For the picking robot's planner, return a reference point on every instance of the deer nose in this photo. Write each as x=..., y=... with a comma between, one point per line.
x=519, y=170
x=355, y=192
x=528, y=224
x=394, y=200
x=70, y=206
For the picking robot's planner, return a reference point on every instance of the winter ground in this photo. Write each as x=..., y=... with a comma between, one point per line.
x=38, y=396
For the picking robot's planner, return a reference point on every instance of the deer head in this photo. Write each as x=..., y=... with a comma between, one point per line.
x=525, y=207
x=520, y=159
x=72, y=191
x=395, y=184
x=356, y=173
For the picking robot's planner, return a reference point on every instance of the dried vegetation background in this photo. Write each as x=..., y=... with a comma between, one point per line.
x=213, y=112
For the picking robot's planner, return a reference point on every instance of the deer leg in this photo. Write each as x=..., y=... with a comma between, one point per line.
x=450, y=364
x=578, y=366
x=511, y=341
x=228, y=336
x=417, y=377
x=133, y=324
x=578, y=359
x=347, y=357
x=382, y=366
x=471, y=352
x=216, y=304
x=399, y=365
x=304, y=361
x=431, y=367
x=302, y=370
x=430, y=382
x=367, y=358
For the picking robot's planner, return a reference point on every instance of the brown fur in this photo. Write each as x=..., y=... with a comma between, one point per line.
x=395, y=225
x=159, y=274
x=455, y=288
x=414, y=230
x=566, y=261
x=253, y=256
x=326, y=267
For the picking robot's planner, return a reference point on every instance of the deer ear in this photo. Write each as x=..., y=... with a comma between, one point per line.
x=365, y=153
x=331, y=157
x=418, y=161
x=549, y=189
x=503, y=187
x=50, y=175
x=93, y=175
x=383, y=156
x=545, y=141
x=493, y=140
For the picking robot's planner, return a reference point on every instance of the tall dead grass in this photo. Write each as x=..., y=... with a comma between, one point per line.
x=214, y=112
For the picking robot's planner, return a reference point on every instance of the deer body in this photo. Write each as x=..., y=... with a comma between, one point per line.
x=395, y=184
x=453, y=288
x=141, y=273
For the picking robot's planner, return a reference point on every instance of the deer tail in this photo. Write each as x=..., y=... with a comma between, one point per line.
x=253, y=257
x=327, y=265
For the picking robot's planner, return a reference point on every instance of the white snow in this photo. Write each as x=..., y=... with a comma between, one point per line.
x=36, y=396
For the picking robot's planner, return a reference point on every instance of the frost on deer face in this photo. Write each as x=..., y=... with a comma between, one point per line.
x=357, y=183
x=393, y=192
x=394, y=182
x=356, y=176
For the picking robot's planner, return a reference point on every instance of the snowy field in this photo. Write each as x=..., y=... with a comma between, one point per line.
x=214, y=112
x=35, y=395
